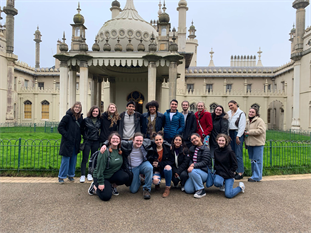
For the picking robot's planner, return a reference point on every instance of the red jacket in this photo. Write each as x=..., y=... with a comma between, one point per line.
x=206, y=123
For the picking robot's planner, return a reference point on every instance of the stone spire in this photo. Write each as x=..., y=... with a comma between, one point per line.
x=192, y=31
x=182, y=26
x=160, y=6
x=10, y=12
x=129, y=12
x=211, y=63
x=259, y=63
x=38, y=41
x=63, y=47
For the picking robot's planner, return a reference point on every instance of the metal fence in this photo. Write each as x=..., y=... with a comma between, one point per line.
x=38, y=155
x=44, y=127
x=289, y=135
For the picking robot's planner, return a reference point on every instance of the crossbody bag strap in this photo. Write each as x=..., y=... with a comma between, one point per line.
x=78, y=123
x=201, y=127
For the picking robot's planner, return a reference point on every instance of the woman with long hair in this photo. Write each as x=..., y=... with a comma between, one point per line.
x=90, y=129
x=199, y=163
x=204, y=121
x=225, y=166
x=162, y=161
x=181, y=160
x=255, y=139
x=237, y=123
x=109, y=122
x=109, y=173
x=69, y=128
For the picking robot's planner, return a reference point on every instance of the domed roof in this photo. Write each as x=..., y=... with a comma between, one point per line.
x=182, y=3
x=78, y=18
x=37, y=31
x=164, y=18
x=128, y=24
x=115, y=3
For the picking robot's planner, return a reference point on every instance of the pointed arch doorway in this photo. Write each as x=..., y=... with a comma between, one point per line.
x=138, y=98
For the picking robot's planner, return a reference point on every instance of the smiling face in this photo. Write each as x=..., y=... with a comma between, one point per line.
x=115, y=141
x=158, y=140
x=173, y=106
x=221, y=141
x=185, y=106
x=200, y=107
x=112, y=109
x=218, y=111
x=252, y=112
x=233, y=107
x=177, y=142
x=77, y=108
x=95, y=112
x=138, y=141
x=152, y=110
x=130, y=109
x=196, y=141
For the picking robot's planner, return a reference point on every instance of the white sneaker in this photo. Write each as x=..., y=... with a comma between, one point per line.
x=222, y=188
x=89, y=177
x=242, y=186
x=82, y=179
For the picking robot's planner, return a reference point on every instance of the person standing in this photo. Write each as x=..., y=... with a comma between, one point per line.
x=220, y=126
x=225, y=167
x=204, y=121
x=109, y=122
x=90, y=129
x=69, y=128
x=174, y=122
x=237, y=122
x=190, y=123
x=129, y=122
x=255, y=139
x=151, y=121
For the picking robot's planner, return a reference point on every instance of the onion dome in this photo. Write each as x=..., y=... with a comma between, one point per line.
x=115, y=3
x=182, y=3
x=78, y=18
x=173, y=47
x=107, y=47
x=83, y=46
x=95, y=46
x=293, y=29
x=63, y=47
x=152, y=46
x=129, y=46
x=37, y=32
x=118, y=46
x=164, y=17
x=141, y=46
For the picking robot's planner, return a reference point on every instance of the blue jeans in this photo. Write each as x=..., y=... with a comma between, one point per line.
x=68, y=166
x=238, y=149
x=196, y=179
x=230, y=192
x=210, y=178
x=255, y=154
x=146, y=169
x=167, y=175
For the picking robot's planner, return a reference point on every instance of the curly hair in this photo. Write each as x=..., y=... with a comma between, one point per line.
x=113, y=117
x=152, y=103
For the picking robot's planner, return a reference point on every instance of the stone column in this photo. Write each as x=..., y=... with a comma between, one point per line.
x=152, y=76
x=99, y=92
x=36, y=107
x=112, y=81
x=10, y=83
x=10, y=12
x=63, y=82
x=159, y=90
x=296, y=102
x=300, y=6
x=172, y=80
x=84, y=89
x=94, y=91
x=72, y=86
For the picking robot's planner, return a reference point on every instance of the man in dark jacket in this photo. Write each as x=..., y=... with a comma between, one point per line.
x=190, y=123
x=129, y=123
x=151, y=121
x=174, y=122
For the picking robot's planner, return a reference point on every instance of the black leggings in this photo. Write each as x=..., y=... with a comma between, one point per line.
x=183, y=178
x=89, y=146
x=119, y=178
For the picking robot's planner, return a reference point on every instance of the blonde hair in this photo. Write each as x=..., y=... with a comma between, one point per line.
x=115, y=117
x=76, y=115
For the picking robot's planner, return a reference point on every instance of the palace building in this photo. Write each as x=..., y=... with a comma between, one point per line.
x=132, y=59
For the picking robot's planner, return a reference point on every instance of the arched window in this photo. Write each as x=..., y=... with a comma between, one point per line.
x=269, y=115
x=45, y=109
x=27, y=109
x=256, y=106
x=212, y=107
x=193, y=107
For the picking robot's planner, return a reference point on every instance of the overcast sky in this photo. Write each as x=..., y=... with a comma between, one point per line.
x=229, y=27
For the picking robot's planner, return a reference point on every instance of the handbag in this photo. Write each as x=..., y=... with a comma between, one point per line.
x=206, y=139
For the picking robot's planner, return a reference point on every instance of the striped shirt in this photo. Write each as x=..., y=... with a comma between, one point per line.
x=195, y=156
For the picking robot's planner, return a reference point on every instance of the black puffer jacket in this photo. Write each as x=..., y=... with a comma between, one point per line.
x=183, y=161
x=167, y=157
x=71, y=134
x=89, y=130
x=190, y=126
x=106, y=130
x=203, y=160
x=220, y=125
x=225, y=162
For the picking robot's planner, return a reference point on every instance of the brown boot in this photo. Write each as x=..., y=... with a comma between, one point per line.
x=166, y=192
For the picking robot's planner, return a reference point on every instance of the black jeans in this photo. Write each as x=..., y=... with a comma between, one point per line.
x=183, y=178
x=119, y=178
x=89, y=146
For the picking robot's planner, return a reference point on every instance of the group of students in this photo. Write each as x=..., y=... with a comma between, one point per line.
x=183, y=147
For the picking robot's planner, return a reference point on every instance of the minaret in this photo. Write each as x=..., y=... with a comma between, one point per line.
x=10, y=12
x=78, y=30
x=37, y=40
x=259, y=63
x=211, y=63
x=115, y=9
x=182, y=27
x=160, y=7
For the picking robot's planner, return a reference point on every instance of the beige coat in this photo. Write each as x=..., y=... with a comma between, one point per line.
x=257, y=132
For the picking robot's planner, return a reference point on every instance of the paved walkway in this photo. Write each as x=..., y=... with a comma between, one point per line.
x=277, y=204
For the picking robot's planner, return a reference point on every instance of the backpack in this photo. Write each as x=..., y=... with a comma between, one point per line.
x=93, y=161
